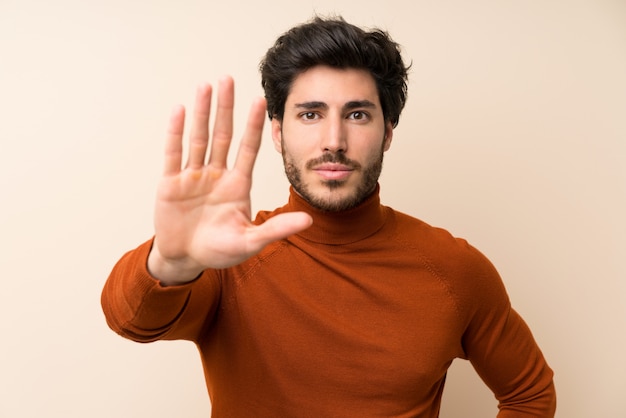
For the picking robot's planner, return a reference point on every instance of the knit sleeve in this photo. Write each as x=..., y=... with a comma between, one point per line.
x=139, y=308
x=502, y=349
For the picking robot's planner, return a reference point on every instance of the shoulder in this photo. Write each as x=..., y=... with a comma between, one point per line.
x=461, y=265
x=433, y=240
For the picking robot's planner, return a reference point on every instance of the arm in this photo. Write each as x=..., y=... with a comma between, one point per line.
x=202, y=223
x=138, y=307
x=504, y=352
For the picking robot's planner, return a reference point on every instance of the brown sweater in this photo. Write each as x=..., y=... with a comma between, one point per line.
x=358, y=316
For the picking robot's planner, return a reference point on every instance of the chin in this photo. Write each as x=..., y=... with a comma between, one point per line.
x=334, y=196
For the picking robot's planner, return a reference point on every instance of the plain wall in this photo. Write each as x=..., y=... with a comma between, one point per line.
x=514, y=137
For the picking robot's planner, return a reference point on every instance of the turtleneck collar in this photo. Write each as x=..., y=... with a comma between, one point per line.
x=336, y=228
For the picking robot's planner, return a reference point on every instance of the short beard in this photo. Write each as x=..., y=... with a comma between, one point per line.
x=371, y=174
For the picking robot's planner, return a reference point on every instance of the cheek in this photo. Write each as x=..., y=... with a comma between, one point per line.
x=294, y=156
x=372, y=149
x=299, y=144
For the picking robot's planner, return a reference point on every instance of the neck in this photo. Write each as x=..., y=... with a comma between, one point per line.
x=340, y=227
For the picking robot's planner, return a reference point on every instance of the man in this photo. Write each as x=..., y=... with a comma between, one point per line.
x=333, y=305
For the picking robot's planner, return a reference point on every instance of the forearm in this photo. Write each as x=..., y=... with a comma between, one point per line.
x=138, y=307
x=517, y=372
x=539, y=404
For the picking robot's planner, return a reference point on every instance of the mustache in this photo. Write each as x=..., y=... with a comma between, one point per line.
x=333, y=157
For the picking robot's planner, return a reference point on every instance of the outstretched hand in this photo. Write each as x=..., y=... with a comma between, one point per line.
x=203, y=211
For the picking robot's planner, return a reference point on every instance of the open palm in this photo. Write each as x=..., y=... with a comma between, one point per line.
x=203, y=210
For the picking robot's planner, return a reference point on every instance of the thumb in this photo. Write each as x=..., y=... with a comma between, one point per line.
x=279, y=227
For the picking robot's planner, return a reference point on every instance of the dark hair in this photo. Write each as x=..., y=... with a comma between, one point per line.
x=335, y=43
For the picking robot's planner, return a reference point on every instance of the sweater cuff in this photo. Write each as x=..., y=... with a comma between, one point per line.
x=138, y=305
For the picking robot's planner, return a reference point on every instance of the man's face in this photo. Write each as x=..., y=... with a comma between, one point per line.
x=333, y=136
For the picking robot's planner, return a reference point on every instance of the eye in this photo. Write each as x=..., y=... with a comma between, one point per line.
x=358, y=115
x=308, y=116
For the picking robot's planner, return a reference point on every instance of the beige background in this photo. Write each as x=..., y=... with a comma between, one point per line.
x=514, y=137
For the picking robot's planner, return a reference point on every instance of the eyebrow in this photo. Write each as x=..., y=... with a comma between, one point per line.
x=311, y=105
x=353, y=104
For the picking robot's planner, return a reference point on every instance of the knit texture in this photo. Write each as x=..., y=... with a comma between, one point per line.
x=358, y=316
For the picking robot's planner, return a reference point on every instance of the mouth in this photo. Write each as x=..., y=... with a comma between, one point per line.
x=333, y=171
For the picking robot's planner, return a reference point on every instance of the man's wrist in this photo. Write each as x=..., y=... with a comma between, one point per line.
x=170, y=273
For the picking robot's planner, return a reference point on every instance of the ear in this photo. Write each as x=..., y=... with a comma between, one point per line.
x=277, y=135
x=388, y=136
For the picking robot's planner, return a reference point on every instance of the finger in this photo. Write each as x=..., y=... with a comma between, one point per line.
x=278, y=227
x=251, y=141
x=173, y=141
x=223, y=129
x=199, y=137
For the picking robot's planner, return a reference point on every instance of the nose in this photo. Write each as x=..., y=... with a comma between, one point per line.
x=335, y=136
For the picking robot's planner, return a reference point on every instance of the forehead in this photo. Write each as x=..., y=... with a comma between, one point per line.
x=333, y=86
